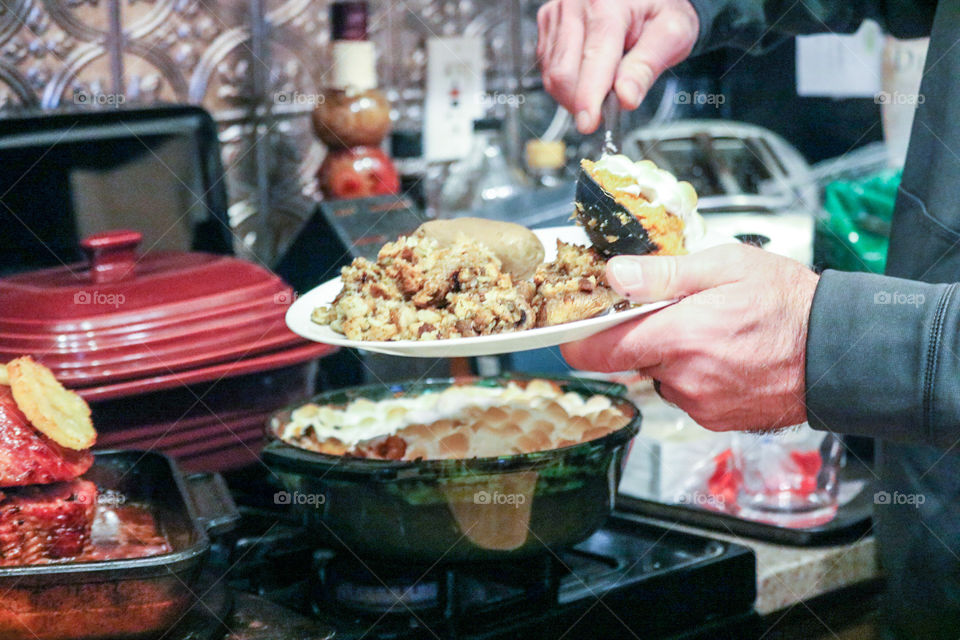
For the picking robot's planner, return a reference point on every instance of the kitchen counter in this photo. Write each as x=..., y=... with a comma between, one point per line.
x=788, y=575
x=810, y=593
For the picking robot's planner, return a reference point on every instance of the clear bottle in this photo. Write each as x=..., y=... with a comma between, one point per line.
x=484, y=175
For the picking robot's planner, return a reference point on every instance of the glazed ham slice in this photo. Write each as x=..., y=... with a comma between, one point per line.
x=29, y=457
x=47, y=522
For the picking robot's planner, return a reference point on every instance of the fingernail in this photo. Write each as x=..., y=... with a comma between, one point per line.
x=629, y=92
x=584, y=121
x=626, y=275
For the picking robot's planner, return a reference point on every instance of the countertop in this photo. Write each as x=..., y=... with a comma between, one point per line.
x=788, y=575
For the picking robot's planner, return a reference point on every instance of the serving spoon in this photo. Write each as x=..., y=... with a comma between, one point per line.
x=612, y=229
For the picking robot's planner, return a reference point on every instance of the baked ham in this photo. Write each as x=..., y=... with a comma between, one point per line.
x=46, y=512
x=45, y=523
x=29, y=457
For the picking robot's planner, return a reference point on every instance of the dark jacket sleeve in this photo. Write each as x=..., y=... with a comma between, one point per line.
x=883, y=358
x=756, y=25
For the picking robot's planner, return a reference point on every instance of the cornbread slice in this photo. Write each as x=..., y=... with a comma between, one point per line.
x=614, y=193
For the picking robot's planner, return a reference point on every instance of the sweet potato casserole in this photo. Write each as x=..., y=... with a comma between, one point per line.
x=458, y=422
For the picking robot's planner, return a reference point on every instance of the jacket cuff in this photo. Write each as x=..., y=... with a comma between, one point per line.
x=734, y=23
x=875, y=348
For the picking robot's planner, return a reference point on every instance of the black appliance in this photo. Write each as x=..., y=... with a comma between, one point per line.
x=67, y=174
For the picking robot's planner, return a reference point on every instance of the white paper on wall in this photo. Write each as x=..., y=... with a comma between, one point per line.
x=841, y=66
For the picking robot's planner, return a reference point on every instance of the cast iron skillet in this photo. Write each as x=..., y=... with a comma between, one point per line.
x=446, y=511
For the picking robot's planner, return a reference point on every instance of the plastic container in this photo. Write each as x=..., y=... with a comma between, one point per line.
x=788, y=479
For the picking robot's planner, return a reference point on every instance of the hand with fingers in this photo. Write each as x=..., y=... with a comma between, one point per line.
x=587, y=47
x=731, y=352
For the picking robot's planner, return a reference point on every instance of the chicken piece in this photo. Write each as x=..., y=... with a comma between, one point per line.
x=575, y=306
x=572, y=287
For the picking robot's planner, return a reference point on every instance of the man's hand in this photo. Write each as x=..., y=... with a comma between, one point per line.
x=731, y=353
x=585, y=47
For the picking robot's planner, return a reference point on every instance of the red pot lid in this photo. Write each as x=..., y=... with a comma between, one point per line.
x=124, y=315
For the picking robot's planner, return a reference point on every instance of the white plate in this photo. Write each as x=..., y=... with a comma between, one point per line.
x=298, y=316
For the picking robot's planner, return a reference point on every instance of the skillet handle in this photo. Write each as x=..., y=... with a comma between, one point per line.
x=212, y=503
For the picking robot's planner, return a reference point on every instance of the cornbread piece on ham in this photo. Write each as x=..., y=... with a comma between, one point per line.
x=45, y=523
x=29, y=457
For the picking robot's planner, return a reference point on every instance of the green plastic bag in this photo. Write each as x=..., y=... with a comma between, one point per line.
x=854, y=233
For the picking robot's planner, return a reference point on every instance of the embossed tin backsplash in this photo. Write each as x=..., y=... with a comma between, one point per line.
x=254, y=64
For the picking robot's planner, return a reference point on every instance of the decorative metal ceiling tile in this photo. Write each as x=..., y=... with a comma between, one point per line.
x=218, y=54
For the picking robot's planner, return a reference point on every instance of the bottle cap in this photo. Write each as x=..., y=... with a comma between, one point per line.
x=348, y=20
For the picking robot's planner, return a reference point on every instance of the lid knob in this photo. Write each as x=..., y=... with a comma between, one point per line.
x=112, y=254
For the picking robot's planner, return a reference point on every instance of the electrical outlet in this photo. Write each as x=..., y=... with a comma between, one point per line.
x=455, y=68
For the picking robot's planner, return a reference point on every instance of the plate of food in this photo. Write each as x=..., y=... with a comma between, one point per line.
x=472, y=287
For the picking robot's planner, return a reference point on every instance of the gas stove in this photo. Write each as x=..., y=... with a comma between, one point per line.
x=630, y=579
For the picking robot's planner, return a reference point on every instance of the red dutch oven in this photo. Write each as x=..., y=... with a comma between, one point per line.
x=183, y=352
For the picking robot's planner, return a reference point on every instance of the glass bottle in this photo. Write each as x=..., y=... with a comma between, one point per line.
x=352, y=116
x=484, y=175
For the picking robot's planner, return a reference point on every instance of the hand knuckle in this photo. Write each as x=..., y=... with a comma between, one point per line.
x=543, y=13
x=641, y=70
x=607, y=362
x=670, y=272
x=559, y=78
x=600, y=6
x=676, y=27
